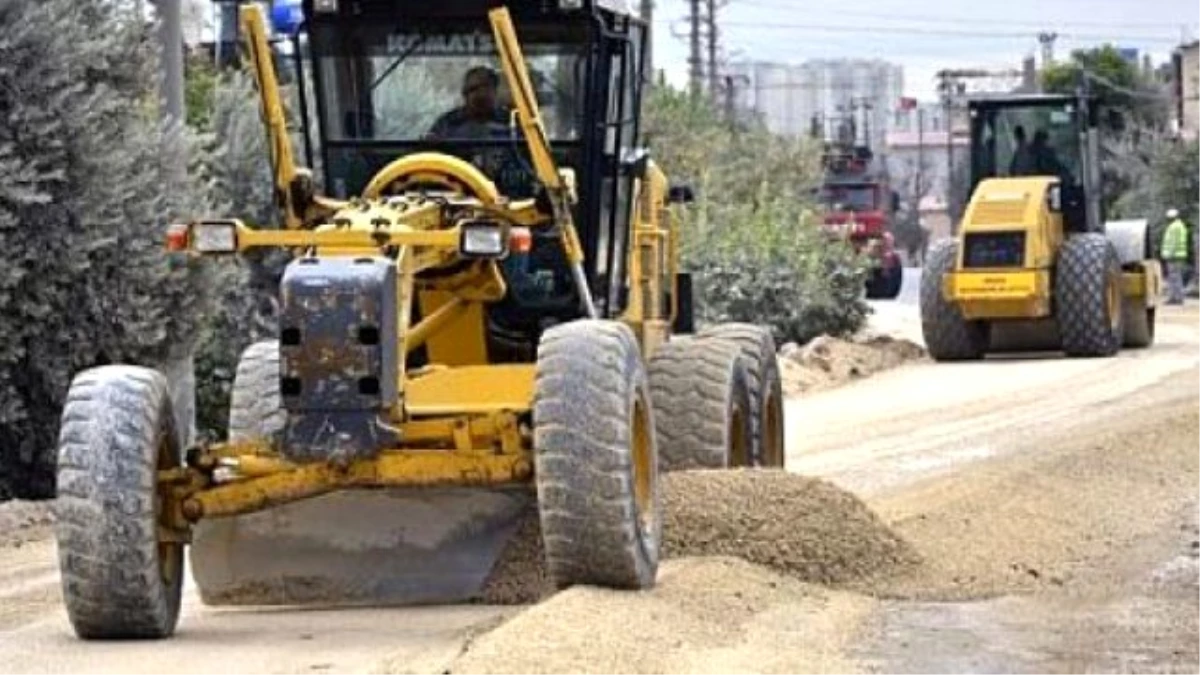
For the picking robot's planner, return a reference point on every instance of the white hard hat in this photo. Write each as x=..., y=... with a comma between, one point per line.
x=1172, y=213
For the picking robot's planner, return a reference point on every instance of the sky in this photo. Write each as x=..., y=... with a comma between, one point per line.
x=925, y=37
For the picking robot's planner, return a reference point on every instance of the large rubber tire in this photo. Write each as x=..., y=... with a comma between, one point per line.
x=884, y=283
x=596, y=457
x=1139, y=324
x=948, y=336
x=119, y=581
x=255, y=412
x=702, y=406
x=895, y=281
x=1087, y=296
x=255, y=406
x=757, y=345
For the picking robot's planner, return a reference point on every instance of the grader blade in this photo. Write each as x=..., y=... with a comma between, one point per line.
x=359, y=547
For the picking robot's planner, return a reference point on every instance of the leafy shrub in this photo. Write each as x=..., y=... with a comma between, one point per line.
x=751, y=240
x=88, y=184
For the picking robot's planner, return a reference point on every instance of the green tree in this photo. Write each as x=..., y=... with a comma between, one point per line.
x=752, y=239
x=1133, y=111
x=85, y=199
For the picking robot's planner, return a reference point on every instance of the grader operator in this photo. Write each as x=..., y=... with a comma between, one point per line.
x=470, y=330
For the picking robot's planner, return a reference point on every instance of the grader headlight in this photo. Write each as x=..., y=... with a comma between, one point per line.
x=483, y=239
x=214, y=237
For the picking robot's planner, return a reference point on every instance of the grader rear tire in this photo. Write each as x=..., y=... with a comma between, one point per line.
x=702, y=406
x=596, y=457
x=1087, y=296
x=948, y=336
x=119, y=580
x=766, y=390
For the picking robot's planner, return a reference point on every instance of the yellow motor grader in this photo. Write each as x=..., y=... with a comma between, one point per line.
x=482, y=320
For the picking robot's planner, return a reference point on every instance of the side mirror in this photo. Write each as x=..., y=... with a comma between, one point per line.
x=680, y=194
x=635, y=162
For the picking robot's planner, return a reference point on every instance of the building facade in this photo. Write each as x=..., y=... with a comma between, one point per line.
x=789, y=97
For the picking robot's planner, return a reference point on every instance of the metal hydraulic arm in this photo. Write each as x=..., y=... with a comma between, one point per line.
x=294, y=193
x=529, y=117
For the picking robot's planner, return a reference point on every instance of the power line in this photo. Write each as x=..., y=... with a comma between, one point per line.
x=944, y=32
x=972, y=21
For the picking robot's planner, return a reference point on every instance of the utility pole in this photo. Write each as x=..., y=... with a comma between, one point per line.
x=714, y=78
x=730, y=108
x=171, y=32
x=919, y=188
x=647, y=12
x=694, y=52
x=1047, y=40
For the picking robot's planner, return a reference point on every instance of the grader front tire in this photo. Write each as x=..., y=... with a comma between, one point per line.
x=766, y=389
x=596, y=457
x=702, y=406
x=119, y=580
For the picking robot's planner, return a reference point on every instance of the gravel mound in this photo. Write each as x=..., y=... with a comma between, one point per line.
x=22, y=521
x=828, y=362
x=804, y=528
x=712, y=615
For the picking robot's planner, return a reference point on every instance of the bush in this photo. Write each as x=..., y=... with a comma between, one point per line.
x=88, y=184
x=751, y=240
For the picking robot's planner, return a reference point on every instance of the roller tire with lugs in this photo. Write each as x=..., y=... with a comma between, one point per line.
x=1087, y=296
x=948, y=335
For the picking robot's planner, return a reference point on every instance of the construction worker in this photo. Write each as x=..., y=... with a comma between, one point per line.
x=1175, y=256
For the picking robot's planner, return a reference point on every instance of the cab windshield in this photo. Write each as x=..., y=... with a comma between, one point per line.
x=1033, y=140
x=440, y=82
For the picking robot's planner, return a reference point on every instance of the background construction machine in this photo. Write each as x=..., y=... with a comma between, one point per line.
x=451, y=355
x=860, y=204
x=1034, y=266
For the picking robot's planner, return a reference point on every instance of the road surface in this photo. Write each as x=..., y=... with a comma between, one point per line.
x=1052, y=501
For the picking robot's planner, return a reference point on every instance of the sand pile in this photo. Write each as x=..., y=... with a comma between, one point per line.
x=805, y=528
x=705, y=615
x=827, y=361
x=22, y=521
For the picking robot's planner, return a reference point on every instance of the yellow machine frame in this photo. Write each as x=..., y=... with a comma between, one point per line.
x=459, y=418
x=1011, y=204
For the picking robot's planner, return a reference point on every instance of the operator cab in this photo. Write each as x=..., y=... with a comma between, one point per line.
x=1039, y=135
x=389, y=78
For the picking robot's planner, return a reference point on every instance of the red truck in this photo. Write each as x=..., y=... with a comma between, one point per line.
x=860, y=204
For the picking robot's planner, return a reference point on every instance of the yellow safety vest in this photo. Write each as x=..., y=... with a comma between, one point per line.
x=1174, y=245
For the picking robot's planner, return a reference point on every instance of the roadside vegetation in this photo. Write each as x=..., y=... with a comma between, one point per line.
x=90, y=180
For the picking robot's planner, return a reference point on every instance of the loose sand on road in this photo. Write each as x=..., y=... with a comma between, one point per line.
x=1023, y=490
